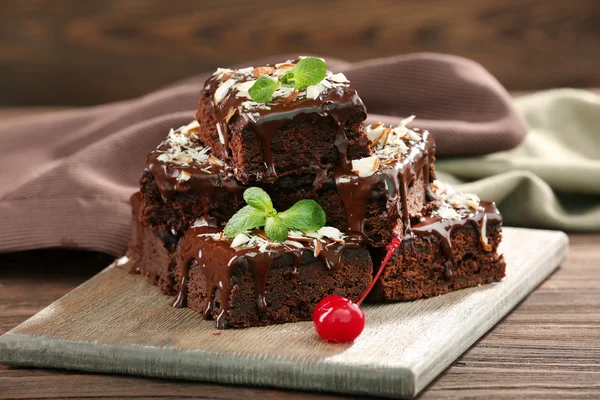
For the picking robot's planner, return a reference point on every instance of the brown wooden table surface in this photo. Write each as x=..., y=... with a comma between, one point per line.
x=548, y=347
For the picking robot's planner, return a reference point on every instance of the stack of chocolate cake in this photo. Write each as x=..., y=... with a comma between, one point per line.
x=374, y=182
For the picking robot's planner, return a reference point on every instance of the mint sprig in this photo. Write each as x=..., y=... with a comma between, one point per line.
x=245, y=219
x=263, y=89
x=275, y=229
x=308, y=71
x=258, y=198
x=305, y=215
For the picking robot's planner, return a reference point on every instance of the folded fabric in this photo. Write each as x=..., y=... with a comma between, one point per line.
x=552, y=179
x=66, y=178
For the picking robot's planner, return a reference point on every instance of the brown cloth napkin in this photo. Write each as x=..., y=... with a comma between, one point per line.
x=66, y=178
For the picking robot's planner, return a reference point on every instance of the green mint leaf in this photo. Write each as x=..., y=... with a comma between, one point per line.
x=258, y=198
x=275, y=229
x=308, y=71
x=305, y=216
x=245, y=219
x=263, y=89
x=288, y=79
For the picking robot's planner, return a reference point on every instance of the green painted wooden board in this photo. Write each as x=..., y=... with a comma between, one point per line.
x=118, y=323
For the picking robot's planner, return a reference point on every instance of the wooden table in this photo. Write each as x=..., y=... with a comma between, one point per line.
x=548, y=347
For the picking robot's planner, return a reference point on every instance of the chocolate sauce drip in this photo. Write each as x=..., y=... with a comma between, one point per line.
x=219, y=263
x=395, y=177
x=337, y=103
x=213, y=182
x=434, y=225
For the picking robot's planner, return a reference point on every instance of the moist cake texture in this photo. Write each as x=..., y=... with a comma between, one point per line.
x=453, y=247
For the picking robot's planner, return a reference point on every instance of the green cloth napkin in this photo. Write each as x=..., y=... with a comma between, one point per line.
x=552, y=179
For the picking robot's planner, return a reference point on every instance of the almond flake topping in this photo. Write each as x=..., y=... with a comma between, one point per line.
x=366, y=166
x=453, y=204
x=183, y=148
x=483, y=235
x=222, y=90
x=296, y=239
x=238, y=82
x=339, y=78
x=230, y=114
x=240, y=240
x=259, y=71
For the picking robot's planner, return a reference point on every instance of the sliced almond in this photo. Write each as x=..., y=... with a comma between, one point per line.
x=448, y=213
x=215, y=161
x=294, y=243
x=226, y=76
x=230, y=114
x=374, y=132
x=222, y=90
x=285, y=65
x=313, y=234
x=314, y=91
x=263, y=247
x=339, y=78
x=220, y=133
x=220, y=71
x=303, y=239
x=245, y=71
x=192, y=127
x=414, y=136
x=332, y=233
x=483, y=234
x=318, y=247
x=184, y=176
x=407, y=121
x=260, y=71
x=290, y=98
x=164, y=157
x=366, y=166
x=239, y=240
x=383, y=141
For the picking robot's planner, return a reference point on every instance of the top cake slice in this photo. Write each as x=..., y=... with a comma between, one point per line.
x=311, y=129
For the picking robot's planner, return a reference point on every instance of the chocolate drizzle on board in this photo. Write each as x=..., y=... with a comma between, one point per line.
x=219, y=263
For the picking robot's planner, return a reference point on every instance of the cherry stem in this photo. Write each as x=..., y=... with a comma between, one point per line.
x=391, y=248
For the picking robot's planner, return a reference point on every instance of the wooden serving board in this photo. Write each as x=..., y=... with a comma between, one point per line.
x=118, y=323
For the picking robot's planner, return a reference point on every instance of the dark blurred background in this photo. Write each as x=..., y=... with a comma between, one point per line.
x=78, y=52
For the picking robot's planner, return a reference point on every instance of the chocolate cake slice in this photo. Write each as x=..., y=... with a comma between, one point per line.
x=297, y=131
x=251, y=281
x=184, y=181
x=454, y=246
x=150, y=253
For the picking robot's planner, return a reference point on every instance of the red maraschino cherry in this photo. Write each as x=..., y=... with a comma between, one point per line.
x=340, y=320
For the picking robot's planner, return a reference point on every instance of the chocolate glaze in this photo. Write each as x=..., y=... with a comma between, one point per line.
x=394, y=176
x=434, y=225
x=221, y=264
x=213, y=181
x=338, y=103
